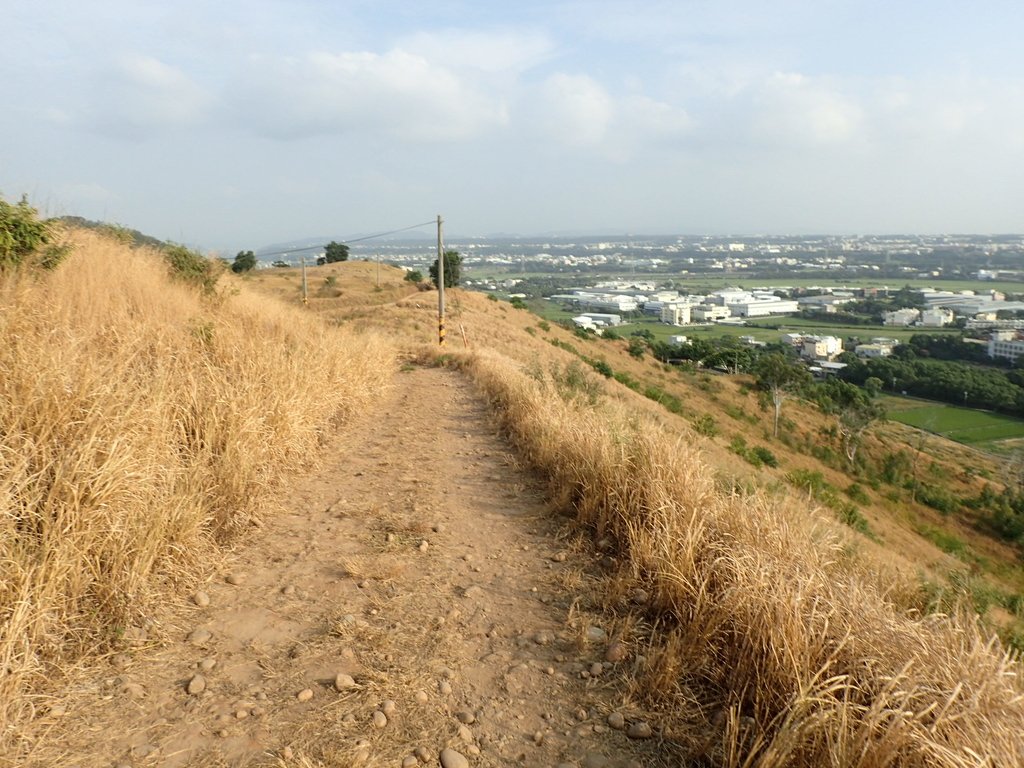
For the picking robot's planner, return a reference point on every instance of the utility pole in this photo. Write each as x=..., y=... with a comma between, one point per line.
x=305, y=293
x=440, y=285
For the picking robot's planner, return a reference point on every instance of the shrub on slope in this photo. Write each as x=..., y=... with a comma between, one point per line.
x=770, y=639
x=141, y=423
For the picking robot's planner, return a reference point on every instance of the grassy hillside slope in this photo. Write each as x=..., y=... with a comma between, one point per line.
x=141, y=426
x=788, y=637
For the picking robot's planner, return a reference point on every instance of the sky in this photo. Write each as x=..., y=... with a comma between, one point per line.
x=228, y=125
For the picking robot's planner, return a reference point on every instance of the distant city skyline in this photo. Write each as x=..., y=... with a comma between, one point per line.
x=236, y=125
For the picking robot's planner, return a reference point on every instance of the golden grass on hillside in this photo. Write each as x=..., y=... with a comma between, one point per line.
x=770, y=641
x=140, y=424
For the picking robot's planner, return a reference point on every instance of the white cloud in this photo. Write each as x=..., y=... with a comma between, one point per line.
x=144, y=93
x=502, y=54
x=574, y=110
x=132, y=98
x=397, y=94
x=790, y=108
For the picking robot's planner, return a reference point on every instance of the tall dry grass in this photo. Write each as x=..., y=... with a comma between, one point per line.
x=142, y=425
x=773, y=646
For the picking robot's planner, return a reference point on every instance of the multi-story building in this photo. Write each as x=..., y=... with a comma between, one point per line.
x=1006, y=344
x=709, y=313
x=675, y=313
x=821, y=347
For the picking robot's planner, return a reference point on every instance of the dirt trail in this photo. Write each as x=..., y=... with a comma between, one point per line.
x=421, y=562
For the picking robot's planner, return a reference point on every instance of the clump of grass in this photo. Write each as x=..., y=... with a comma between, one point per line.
x=142, y=422
x=770, y=619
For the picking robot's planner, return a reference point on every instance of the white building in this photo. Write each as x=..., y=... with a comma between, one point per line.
x=678, y=341
x=903, y=317
x=764, y=307
x=821, y=347
x=936, y=318
x=709, y=313
x=1006, y=344
x=871, y=351
x=600, y=319
x=675, y=313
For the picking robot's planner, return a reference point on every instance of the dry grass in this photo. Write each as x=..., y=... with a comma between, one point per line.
x=795, y=655
x=141, y=426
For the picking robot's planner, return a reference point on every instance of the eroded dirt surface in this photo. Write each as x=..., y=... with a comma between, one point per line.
x=421, y=562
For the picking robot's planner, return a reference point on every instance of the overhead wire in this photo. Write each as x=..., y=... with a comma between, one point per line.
x=346, y=242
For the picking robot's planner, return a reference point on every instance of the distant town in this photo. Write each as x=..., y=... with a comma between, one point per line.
x=926, y=283
x=994, y=257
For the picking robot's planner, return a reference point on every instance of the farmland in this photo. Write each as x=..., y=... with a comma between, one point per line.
x=964, y=425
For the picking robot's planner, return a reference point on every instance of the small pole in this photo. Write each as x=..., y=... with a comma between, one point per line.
x=440, y=285
x=305, y=292
x=378, y=269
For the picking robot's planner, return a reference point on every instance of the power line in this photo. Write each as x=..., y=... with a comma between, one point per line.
x=392, y=232
x=347, y=242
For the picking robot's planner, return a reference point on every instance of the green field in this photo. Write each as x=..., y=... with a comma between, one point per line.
x=964, y=425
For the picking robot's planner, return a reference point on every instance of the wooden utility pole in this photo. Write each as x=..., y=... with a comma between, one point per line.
x=440, y=285
x=305, y=293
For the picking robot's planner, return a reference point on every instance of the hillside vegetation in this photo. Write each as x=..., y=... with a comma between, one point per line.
x=760, y=623
x=143, y=423
x=773, y=635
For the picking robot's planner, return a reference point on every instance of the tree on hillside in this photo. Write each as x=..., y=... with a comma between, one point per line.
x=24, y=236
x=244, y=261
x=335, y=252
x=854, y=409
x=780, y=376
x=452, y=269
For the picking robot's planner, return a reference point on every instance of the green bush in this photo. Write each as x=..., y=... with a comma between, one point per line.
x=603, y=368
x=706, y=425
x=670, y=402
x=25, y=238
x=857, y=493
x=849, y=515
x=764, y=455
x=935, y=497
x=626, y=380
x=190, y=266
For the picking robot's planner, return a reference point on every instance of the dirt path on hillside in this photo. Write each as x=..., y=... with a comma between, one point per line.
x=413, y=596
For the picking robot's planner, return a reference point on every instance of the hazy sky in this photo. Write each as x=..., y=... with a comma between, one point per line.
x=233, y=124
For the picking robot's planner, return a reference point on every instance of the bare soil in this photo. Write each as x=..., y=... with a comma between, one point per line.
x=422, y=562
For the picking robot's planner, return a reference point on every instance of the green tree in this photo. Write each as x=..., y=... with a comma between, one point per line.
x=24, y=237
x=414, y=276
x=781, y=376
x=335, y=252
x=854, y=409
x=452, y=269
x=244, y=261
x=873, y=385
